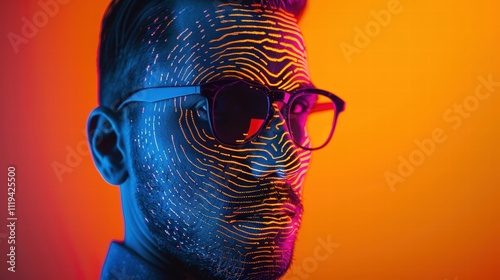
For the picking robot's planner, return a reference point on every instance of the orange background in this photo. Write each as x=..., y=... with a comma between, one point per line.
x=441, y=223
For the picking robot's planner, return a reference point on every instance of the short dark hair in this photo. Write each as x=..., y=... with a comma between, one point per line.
x=122, y=40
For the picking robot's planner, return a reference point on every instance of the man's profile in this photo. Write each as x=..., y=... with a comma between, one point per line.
x=203, y=121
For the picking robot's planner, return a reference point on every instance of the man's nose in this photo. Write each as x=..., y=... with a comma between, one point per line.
x=274, y=154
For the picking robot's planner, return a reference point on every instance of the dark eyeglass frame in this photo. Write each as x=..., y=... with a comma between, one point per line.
x=210, y=90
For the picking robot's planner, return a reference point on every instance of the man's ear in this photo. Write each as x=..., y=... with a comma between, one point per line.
x=106, y=144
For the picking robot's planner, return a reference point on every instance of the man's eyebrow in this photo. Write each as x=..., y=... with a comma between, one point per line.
x=301, y=87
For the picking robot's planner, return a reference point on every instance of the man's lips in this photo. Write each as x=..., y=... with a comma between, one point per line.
x=276, y=202
x=265, y=212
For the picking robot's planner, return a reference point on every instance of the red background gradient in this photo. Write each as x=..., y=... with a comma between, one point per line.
x=401, y=83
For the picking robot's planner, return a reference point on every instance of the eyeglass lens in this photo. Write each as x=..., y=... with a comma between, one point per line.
x=240, y=110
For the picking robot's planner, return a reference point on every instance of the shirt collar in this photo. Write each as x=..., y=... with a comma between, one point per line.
x=124, y=264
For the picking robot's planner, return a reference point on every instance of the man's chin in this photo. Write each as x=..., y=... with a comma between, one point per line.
x=239, y=270
x=248, y=259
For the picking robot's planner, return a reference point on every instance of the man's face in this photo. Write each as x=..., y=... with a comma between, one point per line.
x=232, y=212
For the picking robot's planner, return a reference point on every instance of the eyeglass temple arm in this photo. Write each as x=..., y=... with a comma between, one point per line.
x=160, y=93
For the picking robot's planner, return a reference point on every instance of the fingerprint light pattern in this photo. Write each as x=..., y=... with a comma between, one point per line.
x=235, y=211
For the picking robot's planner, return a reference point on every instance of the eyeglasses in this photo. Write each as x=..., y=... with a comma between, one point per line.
x=239, y=110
